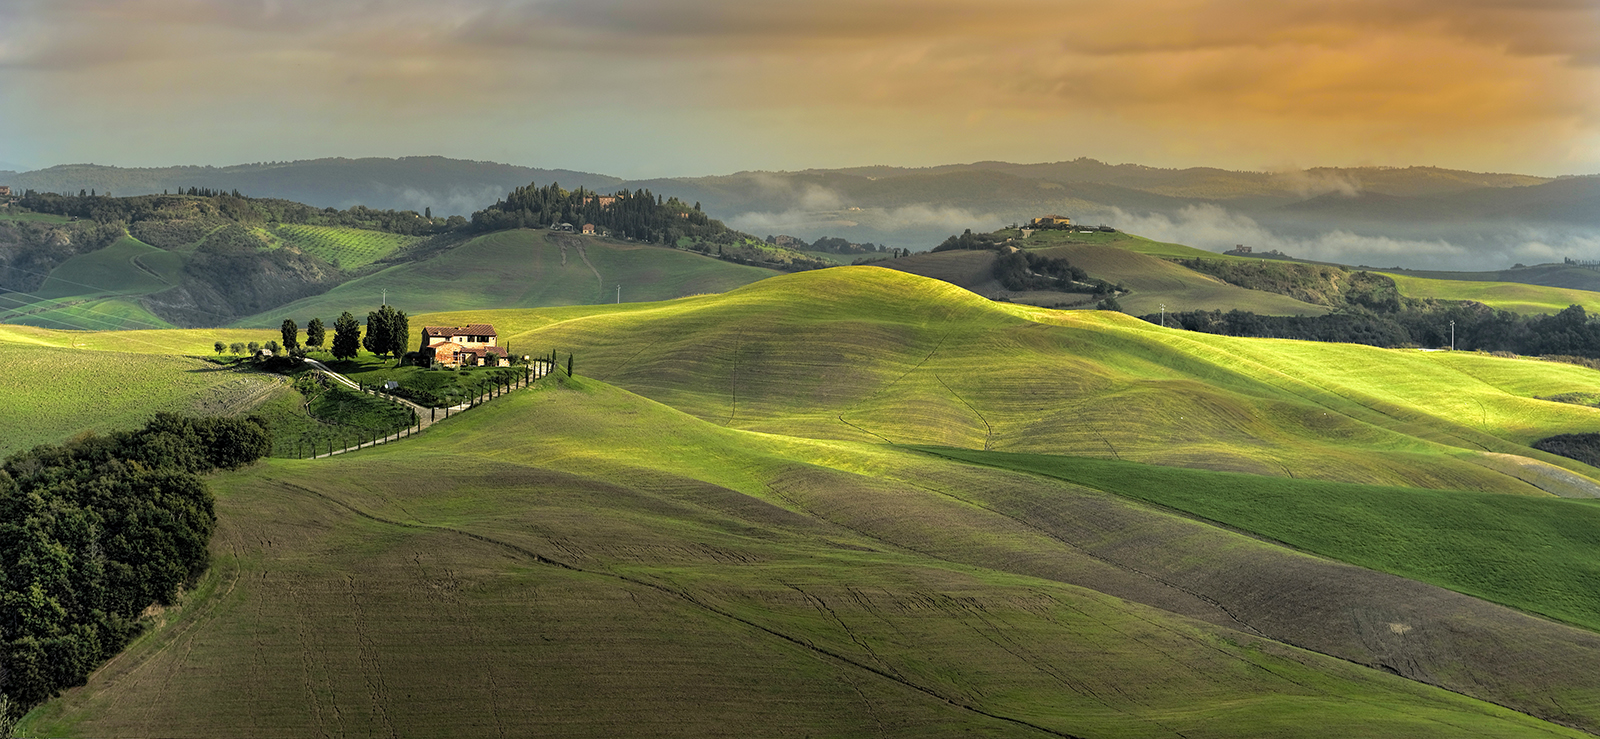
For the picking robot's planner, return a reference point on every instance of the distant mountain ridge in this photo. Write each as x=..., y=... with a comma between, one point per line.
x=1484, y=216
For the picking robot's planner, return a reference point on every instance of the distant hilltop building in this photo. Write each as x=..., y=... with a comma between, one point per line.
x=5, y=191
x=789, y=241
x=1051, y=222
x=462, y=346
x=605, y=201
x=1240, y=250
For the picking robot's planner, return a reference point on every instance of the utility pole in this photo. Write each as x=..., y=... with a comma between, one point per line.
x=1452, y=336
x=619, y=293
x=385, y=296
x=1163, y=315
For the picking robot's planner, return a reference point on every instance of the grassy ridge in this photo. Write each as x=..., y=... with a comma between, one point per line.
x=96, y=291
x=601, y=581
x=1512, y=296
x=525, y=268
x=877, y=355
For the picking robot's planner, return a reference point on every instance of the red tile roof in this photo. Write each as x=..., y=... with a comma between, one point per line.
x=476, y=329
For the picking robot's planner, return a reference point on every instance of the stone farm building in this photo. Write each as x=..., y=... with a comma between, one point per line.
x=1052, y=220
x=462, y=346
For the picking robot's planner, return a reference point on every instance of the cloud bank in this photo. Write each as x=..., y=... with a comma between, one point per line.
x=1217, y=229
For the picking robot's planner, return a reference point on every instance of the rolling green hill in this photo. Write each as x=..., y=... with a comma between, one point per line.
x=722, y=529
x=878, y=355
x=1516, y=297
x=525, y=268
x=1139, y=264
x=601, y=582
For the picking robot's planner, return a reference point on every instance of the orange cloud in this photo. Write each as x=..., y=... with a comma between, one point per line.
x=1412, y=79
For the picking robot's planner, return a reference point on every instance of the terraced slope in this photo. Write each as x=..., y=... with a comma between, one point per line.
x=347, y=248
x=525, y=268
x=871, y=354
x=604, y=565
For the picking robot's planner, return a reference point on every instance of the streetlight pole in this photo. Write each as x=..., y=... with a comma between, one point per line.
x=1163, y=315
x=1452, y=336
x=619, y=293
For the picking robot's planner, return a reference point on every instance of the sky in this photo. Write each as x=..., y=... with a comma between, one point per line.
x=644, y=88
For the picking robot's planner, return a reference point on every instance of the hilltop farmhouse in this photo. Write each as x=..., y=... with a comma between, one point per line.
x=473, y=345
x=1051, y=222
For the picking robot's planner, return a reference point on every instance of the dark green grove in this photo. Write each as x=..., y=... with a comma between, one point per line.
x=95, y=531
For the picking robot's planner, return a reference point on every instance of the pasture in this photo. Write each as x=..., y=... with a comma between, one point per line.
x=53, y=393
x=1516, y=297
x=597, y=581
x=731, y=519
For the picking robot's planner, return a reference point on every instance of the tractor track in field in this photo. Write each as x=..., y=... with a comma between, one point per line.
x=600, y=283
x=1202, y=597
x=689, y=598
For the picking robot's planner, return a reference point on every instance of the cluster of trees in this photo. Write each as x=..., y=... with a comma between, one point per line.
x=1021, y=270
x=640, y=215
x=388, y=332
x=972, y=242
x=95, y=531
x=836, y=245
x=1583, y=447
x=1319, y=284
x=1572, y=332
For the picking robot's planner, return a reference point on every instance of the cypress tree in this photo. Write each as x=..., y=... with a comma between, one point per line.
x=399, y=332
x=291, y=334
x=314, y=333
x=346, y=336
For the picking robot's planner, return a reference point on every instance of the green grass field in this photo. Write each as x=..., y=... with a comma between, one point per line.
x=17, y=214
x=722, y=529
x=1538, y=557
x=572, y=577
x=349, y=248
x=522, y=269
x=53, y=393
x=1512, y=296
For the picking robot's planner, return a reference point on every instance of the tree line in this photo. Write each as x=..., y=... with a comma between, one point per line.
x=94, y=531
x=1571, y=332
x=205, y=204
